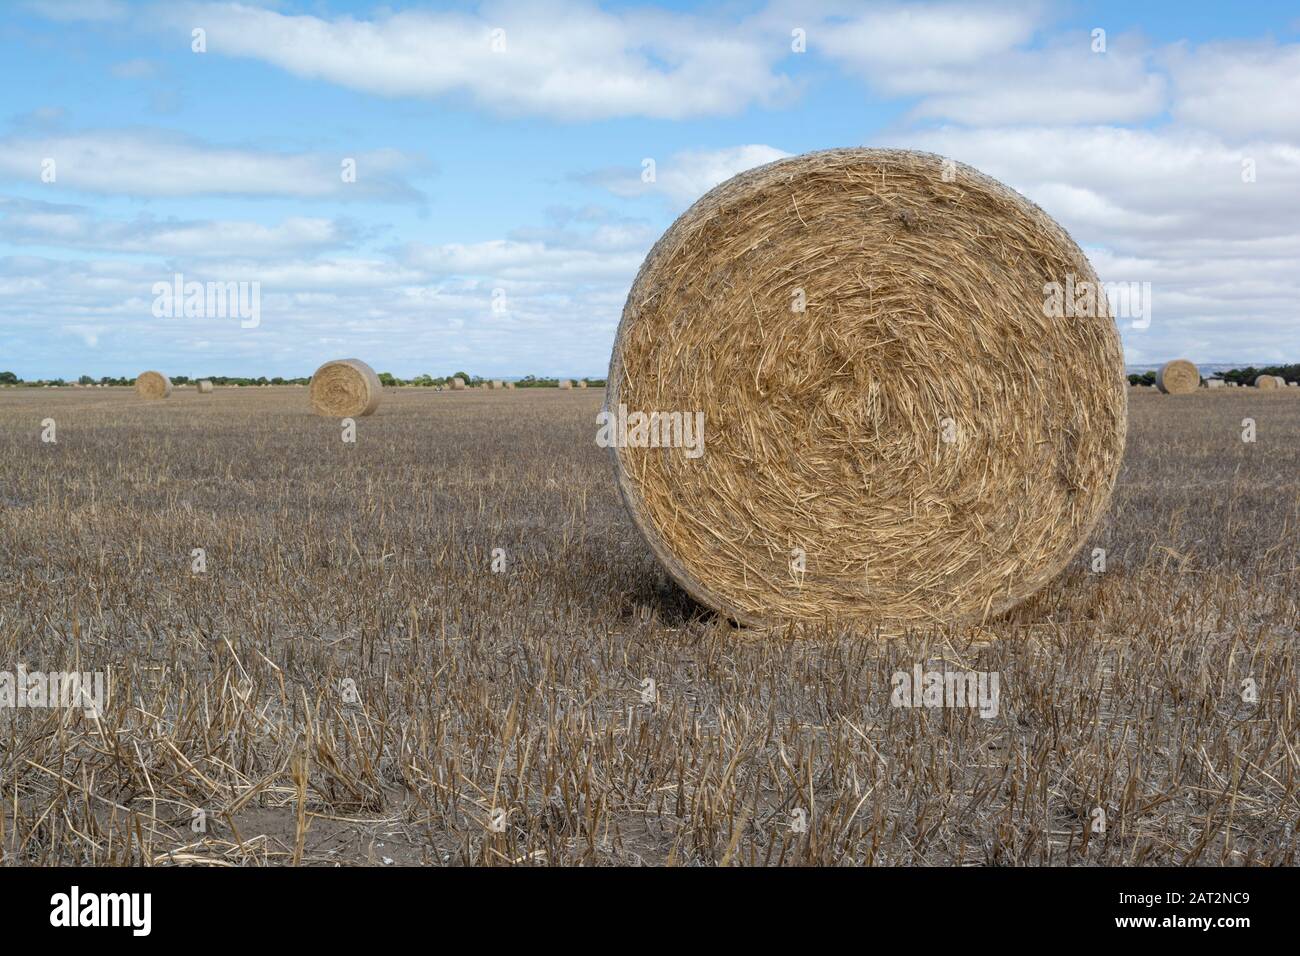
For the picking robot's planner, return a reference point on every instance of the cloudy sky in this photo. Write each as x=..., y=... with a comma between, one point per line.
x=499, y=210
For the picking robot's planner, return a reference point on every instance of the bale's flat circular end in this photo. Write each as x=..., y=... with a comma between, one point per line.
x=153, y=385
x=1179, y=377
x=910, y=389
x=345, y=388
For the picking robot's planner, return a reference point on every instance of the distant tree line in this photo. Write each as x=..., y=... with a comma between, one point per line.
x=1247, y=375
x=385, y=378
x=473, y=381
x=1241, y=376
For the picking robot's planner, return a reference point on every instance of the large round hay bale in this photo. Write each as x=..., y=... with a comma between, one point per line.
x=900, y=423
x=205, y=386
x=1214, y=383
x=1268, y=381
x=564, y=383
x=456, y=384
x=1179, y=377
x=153, y=385
x=345, y=388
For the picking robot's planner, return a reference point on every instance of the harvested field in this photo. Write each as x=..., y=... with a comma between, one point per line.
x=522, y=697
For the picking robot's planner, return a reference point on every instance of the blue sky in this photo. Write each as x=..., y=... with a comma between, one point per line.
x=514, y=174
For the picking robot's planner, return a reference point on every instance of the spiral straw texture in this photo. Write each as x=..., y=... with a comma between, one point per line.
x=898, y=428
x=153, y=385
x=1179, y=377
x=345, y=388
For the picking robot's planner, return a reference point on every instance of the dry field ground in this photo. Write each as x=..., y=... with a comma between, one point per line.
x=499, y=717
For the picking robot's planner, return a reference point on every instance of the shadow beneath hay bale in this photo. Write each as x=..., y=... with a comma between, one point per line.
x=660, y=599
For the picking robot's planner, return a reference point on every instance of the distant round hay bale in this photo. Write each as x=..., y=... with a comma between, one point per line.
x=510, y=384
x=205, y=386
x=564, y=383
x=899, y=424
x=456, y=384
x=1214, y=383
x=580, y=384
x=496, y=383
x=345, y=388
x=153, y=385
x=1268, y=381
x=1179, y=377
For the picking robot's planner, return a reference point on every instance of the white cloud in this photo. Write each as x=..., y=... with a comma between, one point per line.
x=1072, y=86
x=924, y=36
x=509, y=259
x=316, y=274
x=154, y=163
x=1138, y=188
x=692, y=174
x=976, y=65
x=566, y=60
x=1238, y=88
x=89, y=334
x=75, y=227
x=688, y=175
